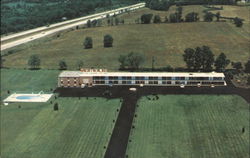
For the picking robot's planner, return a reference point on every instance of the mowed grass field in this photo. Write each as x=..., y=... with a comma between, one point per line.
x=196, y=126
x=164, y=41
x=81, y=127
x=19, y=80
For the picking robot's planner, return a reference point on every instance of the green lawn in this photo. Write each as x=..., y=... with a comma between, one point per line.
x=200, y=126
x=79, y=129
x=19, y=80
x=166, y=42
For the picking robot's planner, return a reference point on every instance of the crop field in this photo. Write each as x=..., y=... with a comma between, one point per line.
x=164, y=41
x=81, y=128
x=190, y=127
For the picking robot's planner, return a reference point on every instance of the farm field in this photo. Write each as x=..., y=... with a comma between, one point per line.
x=81, y=128
x=164, y=41
x=196, y=126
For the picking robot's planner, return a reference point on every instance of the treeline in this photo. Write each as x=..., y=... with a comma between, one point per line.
x=189, y=17
x=24, y=16
x=165, y=4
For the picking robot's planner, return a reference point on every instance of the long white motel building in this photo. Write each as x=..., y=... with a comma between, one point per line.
x=95, y=77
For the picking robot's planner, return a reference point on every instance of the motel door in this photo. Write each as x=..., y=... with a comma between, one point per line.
x=86, y=81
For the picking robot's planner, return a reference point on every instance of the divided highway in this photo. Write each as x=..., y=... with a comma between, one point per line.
x=30, y=35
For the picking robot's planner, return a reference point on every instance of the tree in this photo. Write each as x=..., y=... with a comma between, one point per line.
x=108, y=41
x=237, y=65
x=221, y=62
x=238, y=22
x=89, y=23
x=198, y=58
x=56, y=108
x=208, y=58
x=123, y=61
x=79, y=64
x=157, y=19
x=117, y=21
x=173, y=18
x=217, y=15
x=179, y=14
x=208, y=17
x=188, y=57
x=34, y=61
x=247, y=66
x=99, y=22
x=131, y=61
x=88, y=43
x=248, y=80
x=62, y=65
x=1, y=61
x=146, y=18
x=94, y=23
x=134, y=60
x=166, y=19
x=191, y=17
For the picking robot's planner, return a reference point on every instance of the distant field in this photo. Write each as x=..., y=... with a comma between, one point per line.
x=191, y=127
x=79, y=129
x=164, y=41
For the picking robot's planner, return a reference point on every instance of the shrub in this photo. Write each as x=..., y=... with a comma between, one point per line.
x=157, y=19
x=62, y=65
x=108, y=41
x=88, y=43
x=146, y=18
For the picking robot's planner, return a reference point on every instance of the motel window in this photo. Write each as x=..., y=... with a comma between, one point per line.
x=179, y=78
x=217, y=78
x=177, y=82
x=115, y=82
x=168, y=82
x=150, y=82
x=155, y=82
x=139, y=78
x=153, y=78
x=124, y=82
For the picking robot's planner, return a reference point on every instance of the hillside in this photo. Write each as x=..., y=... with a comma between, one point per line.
x=164, y=41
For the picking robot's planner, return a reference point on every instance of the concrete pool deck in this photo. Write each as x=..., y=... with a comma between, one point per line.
x=27, y=98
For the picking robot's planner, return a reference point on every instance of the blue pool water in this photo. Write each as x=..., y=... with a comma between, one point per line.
x=25, y=97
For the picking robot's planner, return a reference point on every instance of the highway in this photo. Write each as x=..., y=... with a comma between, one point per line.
x=40, y=32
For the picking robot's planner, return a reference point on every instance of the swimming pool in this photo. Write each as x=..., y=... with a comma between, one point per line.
x=28, y=98
x=23, y=97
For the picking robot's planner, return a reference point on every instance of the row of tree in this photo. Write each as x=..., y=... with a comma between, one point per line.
x=203, y=59
x=165, y=4
x=34, y=63
x=189, y=17
x=198, y=59
x=107, y=42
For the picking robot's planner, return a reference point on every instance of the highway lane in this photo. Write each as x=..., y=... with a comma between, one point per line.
x=66, y=24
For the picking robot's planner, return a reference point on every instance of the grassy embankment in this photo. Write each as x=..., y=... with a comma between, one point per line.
x=164, y=41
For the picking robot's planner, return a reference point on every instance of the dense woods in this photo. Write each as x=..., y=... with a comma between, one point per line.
x=19, y=15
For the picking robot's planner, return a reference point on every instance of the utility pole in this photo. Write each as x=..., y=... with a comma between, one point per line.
x=153, y=63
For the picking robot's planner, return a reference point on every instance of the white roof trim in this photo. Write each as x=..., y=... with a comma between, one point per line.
x=140, y=74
